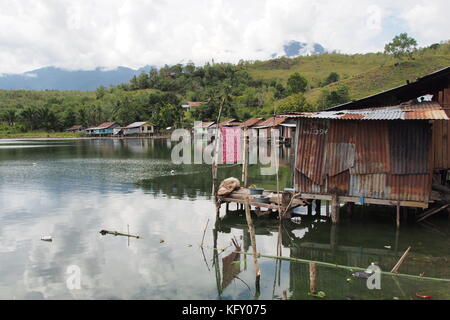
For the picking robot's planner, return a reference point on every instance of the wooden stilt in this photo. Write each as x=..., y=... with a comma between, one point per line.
x=327, y=208
x=313, y=278
x=310, y=209
x=318, y=207
x=335, y=209
x=398, y=215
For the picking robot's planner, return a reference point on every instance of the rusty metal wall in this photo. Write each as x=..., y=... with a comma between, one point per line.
x=441, y=133
x=387, y=160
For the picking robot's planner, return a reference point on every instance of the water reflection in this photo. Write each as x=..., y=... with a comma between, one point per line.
x=72, y=189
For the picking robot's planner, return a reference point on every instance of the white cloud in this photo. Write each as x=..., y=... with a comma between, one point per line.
x=87, y=34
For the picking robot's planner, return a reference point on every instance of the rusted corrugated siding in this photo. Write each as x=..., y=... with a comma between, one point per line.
x=311, y=148
x=340, y=147
x=307, y=185
x=369, y=186
x=412, y=187
x=410, y=144
x=387, y=160
x=339, y=184
x=372, y=148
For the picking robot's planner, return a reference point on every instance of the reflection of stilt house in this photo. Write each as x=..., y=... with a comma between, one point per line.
x=384, y=149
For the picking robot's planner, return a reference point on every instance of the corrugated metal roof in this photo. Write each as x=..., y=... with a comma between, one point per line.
x=204, y=124
x=251, y=122
x=104, y=125
x=420, y=111
x=271, y=122
x=137, y=124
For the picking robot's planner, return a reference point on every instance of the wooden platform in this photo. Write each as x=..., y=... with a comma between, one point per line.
x=276, y=201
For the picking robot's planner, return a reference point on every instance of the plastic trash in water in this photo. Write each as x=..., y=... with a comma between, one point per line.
x=296, y=220
x=47, y=238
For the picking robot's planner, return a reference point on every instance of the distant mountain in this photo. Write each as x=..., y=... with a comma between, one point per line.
x=294, y=49
x=51, y=78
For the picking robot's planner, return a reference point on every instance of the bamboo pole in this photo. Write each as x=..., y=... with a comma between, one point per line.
x=331, y=265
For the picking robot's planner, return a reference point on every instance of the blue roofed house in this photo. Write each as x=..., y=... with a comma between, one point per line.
x=104, y=129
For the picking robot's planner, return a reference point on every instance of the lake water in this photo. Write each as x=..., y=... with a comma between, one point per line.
x=72, y=189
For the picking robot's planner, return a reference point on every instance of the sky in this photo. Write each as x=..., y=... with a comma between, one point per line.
x=109, y=33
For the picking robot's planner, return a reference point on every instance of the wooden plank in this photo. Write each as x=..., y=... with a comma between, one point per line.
x=311, y=196
x=431, y=212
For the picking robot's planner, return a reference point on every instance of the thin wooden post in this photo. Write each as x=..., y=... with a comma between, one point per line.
x=398, y=215
x=335, y=209
x=251, y=229
x=318, y=207
x=313, y=278
x=327, y=208
x=310, y=209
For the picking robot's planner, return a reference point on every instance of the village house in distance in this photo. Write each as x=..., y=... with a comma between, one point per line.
x=143, y=128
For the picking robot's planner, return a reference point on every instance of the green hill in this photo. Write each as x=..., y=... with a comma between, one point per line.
x=246, y=89
x=363, y=74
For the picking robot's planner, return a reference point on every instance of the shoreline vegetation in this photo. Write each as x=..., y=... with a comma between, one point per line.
x=69, y=135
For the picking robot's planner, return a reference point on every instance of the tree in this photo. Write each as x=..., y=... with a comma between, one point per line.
x=329, y=99
x=332, y=77
x=401, y=46
x=29, y=117
x=294, y=103
x=9, y=116
x=297, y=83
x=100, y=92
x=280, y=91
x=69, y=118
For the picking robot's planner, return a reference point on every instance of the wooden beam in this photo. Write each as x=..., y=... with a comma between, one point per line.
x=431, y=212
x=326, y=197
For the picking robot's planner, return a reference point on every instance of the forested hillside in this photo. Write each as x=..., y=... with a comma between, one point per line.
x=249, y=88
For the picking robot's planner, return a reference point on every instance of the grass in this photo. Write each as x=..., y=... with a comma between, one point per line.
x=40, y=134
x=363, y=74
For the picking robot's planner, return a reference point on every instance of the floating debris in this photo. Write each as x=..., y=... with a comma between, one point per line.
x=319, y=294
x=361, y=275
x=162, y=240
x=387, y=247
x=115, y=233
x=47, y=238
x=423, y=297
x=296, y=220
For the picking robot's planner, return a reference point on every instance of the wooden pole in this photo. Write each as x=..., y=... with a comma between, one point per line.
x=398, y=215
x=335, y=209
x=313, y=278
x=251, y=229
x=399, y=263
x=327, y=208
x=216, y=151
